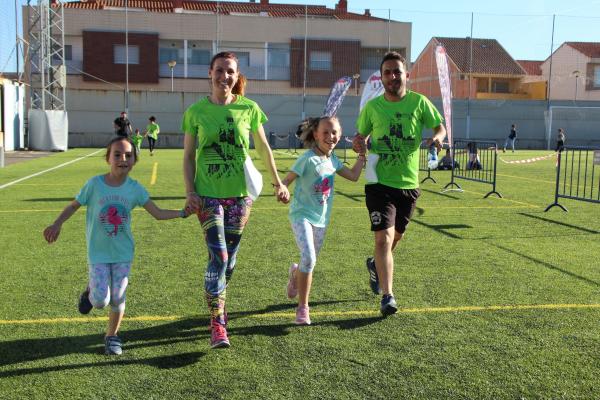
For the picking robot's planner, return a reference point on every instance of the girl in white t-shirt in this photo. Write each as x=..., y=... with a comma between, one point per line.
x=310, y=208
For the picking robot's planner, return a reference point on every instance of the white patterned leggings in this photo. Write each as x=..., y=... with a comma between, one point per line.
x=309, y=239
x=108, y=283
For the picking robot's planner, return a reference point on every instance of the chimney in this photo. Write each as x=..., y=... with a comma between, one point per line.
x=177, y=6
x=342, y=6
x=367, y=12
x=264, y=2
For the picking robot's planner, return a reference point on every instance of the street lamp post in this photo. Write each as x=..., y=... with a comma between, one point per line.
x=172, y=64
x=576, y=74
x=356, y=77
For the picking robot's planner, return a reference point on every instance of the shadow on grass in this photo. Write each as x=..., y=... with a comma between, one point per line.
x=443, y=229
x=440, y=194
x=547, y=265
x=181, y=331
x=579, y=228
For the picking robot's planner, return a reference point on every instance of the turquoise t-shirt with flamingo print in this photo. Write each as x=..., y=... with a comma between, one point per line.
x=313, y=194
x=108, y=218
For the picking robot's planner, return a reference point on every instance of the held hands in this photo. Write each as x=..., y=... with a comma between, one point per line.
x=192, y=203
x=282, y=193
x=51, y=233
x=359, y=144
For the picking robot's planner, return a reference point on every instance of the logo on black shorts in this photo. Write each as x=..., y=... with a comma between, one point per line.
x=375, y=217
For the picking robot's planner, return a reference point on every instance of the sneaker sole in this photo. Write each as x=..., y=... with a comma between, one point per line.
x=220, y=345
x=302, y=322
x=388, y=310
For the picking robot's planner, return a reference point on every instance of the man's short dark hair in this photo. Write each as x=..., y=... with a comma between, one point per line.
x=392, y=55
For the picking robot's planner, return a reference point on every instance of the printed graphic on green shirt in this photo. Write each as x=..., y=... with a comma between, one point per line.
x=220, y=156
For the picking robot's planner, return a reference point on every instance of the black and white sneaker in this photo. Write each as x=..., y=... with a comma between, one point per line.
x=85, y=305
x=373, y=278
x=388, y=305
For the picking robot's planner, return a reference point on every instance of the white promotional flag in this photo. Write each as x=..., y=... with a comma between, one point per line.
x=373, y=88
x=444, y=77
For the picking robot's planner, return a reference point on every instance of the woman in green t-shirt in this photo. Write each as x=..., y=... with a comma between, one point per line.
x=152, y=131
x=217, y=140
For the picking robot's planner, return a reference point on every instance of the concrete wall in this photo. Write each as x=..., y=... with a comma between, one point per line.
x=91, y=115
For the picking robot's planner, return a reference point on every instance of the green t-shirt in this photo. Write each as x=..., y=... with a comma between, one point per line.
x=137, y=139
x=396, y=132
x=223, y=136
x=153, y=130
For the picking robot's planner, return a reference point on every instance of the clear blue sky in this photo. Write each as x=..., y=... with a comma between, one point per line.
x=523, y=27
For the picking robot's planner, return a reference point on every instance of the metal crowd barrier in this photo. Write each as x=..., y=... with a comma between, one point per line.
x=476, y=161
x=577, y=175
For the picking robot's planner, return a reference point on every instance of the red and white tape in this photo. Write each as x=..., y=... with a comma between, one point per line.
x=529, y=160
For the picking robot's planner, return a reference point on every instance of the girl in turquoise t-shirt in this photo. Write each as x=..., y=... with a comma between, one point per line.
x=310, y=209
x=109, y=199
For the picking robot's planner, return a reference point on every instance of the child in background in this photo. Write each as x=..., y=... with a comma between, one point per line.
x=152, y=131
x=110, y=199
x=311, y=205
x=137, y=141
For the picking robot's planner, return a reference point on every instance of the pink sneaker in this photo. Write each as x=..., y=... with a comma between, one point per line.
x=302, y=316
x=218, y=335
x=292, y=289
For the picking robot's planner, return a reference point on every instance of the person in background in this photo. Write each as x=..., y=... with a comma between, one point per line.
x=123, y=126
x=512, y=136
x=152, y=131
x=560, y=140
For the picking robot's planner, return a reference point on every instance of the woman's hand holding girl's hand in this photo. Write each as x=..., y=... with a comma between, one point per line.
x=192, y=202
x=282, y=193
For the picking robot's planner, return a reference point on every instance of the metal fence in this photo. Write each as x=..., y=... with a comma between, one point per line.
x=577, y=176
x=474, y=161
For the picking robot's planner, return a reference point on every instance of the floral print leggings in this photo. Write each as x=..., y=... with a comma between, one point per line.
x=223, y=221
x=309, y=239
x=108, y=283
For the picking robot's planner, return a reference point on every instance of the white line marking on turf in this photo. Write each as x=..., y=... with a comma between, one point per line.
x=49, y=169
x=144, y=318
x=154, y=171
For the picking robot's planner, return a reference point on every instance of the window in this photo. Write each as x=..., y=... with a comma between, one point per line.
x=199, y=56
x=243, y=58
x=596, y=77
x=370, y=59
x=68, y=53
x=120, y=56
x=320, y=60
x=279, y=58
x=500, y=87
x=170, y=53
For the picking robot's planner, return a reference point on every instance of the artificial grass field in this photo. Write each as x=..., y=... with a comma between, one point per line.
x=497, y=298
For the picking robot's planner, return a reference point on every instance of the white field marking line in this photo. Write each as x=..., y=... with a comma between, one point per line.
x=154, y=171
x=425, y=310
x=49, y=169
x=526, y=179
x=505, y=199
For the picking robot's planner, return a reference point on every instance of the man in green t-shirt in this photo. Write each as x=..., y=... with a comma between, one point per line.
x=394, y=123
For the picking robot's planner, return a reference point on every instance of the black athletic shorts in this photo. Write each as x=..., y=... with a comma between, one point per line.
x=389, y=206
